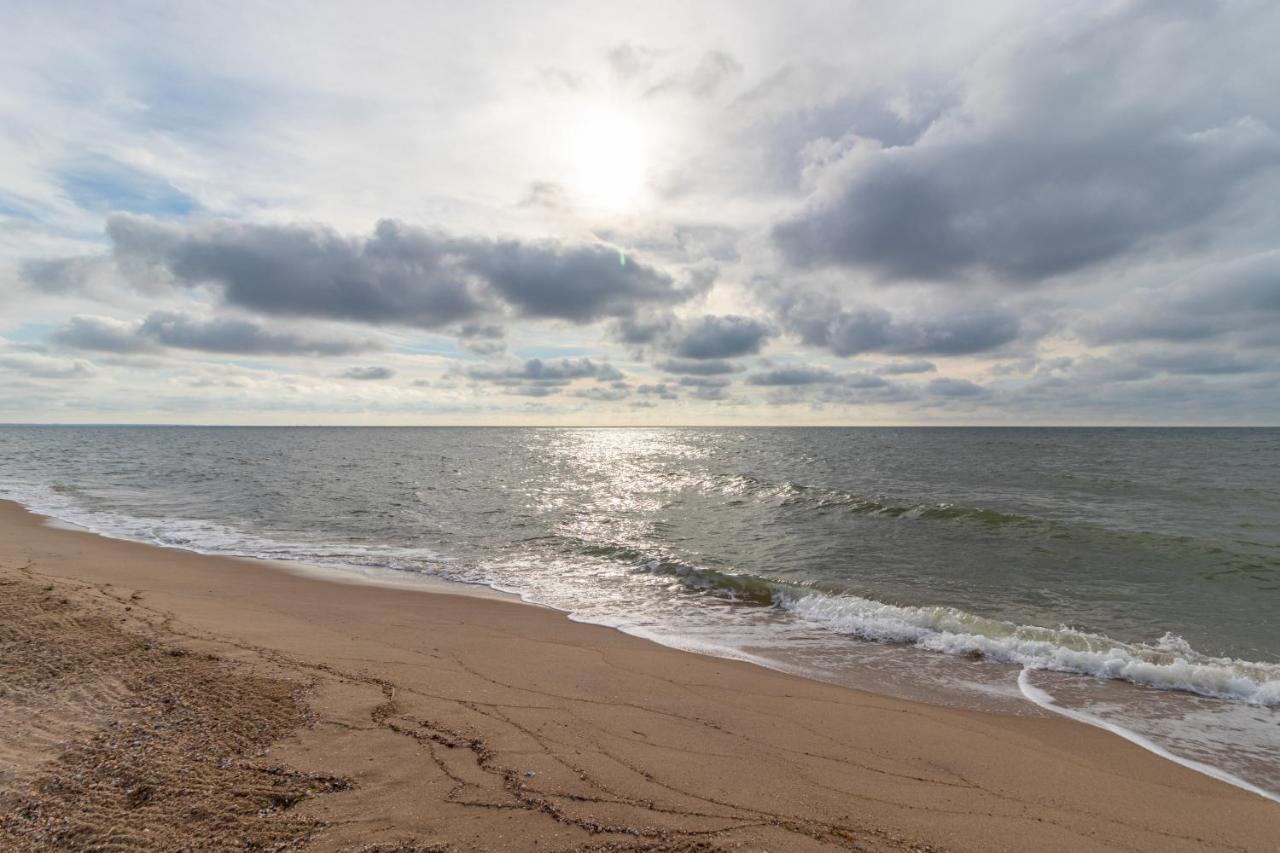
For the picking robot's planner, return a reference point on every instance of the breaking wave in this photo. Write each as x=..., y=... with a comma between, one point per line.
x=1169, y=663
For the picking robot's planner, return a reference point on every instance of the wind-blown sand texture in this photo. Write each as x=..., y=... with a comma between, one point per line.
x=157, y=699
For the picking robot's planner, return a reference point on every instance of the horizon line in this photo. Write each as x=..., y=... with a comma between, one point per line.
x=178, y=425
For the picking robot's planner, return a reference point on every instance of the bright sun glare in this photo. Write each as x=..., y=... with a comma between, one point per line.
x=609, y=151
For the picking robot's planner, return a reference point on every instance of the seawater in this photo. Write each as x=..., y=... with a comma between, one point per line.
x=1129, y=577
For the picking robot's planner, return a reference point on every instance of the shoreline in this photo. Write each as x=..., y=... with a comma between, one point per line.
x=1024, y=699
x=683, y=746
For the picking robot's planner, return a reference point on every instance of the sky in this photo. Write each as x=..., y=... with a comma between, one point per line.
x=640, y=214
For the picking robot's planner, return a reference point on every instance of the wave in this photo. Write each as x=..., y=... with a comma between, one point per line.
x=745, y=589
x=814, y=497
x=206, y=537
x=1256, y=559
x=1044, y=700
x=1169, y=663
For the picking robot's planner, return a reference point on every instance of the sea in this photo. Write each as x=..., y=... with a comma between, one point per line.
x=1128, y=578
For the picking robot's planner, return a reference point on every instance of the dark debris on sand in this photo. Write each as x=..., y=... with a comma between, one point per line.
x=160, y=744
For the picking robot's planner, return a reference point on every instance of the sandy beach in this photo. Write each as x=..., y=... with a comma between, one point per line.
x=159, y=699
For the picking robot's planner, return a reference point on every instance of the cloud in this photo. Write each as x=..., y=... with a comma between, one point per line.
x=793, y=376
x=638, y=331
x=550, y=372
x=547, y=195
x=697, y=368
x=234, y=335
x=1201, y=361
x=101, y=334
x=64, y=275
x=1225, y=298
x=703, y=80
x=630, y=60
x=538, y=378
x=660, y=390
x=229, y=335
x=482, y=338
x=399, y=275
x=963, y=330
x=897, y=368
x=945, y=387
x=369, y=374
x=40, y=366
x=1076, y=143
x=703, y=381
x=1070, y=204
x=807, y=375
x=603, y=394
x=720, y=337
x=580, y=284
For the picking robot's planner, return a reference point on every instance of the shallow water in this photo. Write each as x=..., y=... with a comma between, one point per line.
x=1135, y=572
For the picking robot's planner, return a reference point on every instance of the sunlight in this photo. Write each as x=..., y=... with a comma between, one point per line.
x=609, y=151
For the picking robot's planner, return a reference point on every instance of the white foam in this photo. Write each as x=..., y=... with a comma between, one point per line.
x=407, y=568
x=1170, y=663
x=1044, y=700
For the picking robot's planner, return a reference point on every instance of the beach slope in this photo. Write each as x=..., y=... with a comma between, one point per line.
x=158, y=699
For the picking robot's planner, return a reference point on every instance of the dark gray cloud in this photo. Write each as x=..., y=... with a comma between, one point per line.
x=61, y=275
x=695, y=367
x=1062, y=153
x=482, y=338
x=720, y=337
x=897, y=368
x=234, y=335
x=793, y=376
x=1217, y=300
x=639, y=331
x=946, y=387
x=962, y=330
x=1201, y=361
x=399, y=275
x=709, y=392
x=1125, y=390
x=703, y=381
x=807, y=375
x=538, y=378
x=582, y=284
x=864, y=380
x=228, y=335
x=101, y=334
x=369, y=374
x=660, y=390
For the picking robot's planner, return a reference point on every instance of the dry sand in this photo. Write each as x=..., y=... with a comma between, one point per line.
x=157, y=699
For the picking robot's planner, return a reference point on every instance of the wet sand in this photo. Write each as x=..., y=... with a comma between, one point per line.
x=157, y=699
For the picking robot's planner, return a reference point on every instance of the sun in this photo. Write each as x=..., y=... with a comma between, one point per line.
x=608, y=150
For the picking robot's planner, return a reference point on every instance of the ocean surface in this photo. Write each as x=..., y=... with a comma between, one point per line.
x=1127, y=577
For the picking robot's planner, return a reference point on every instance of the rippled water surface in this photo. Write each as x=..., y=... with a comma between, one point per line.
x=1134, y=573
